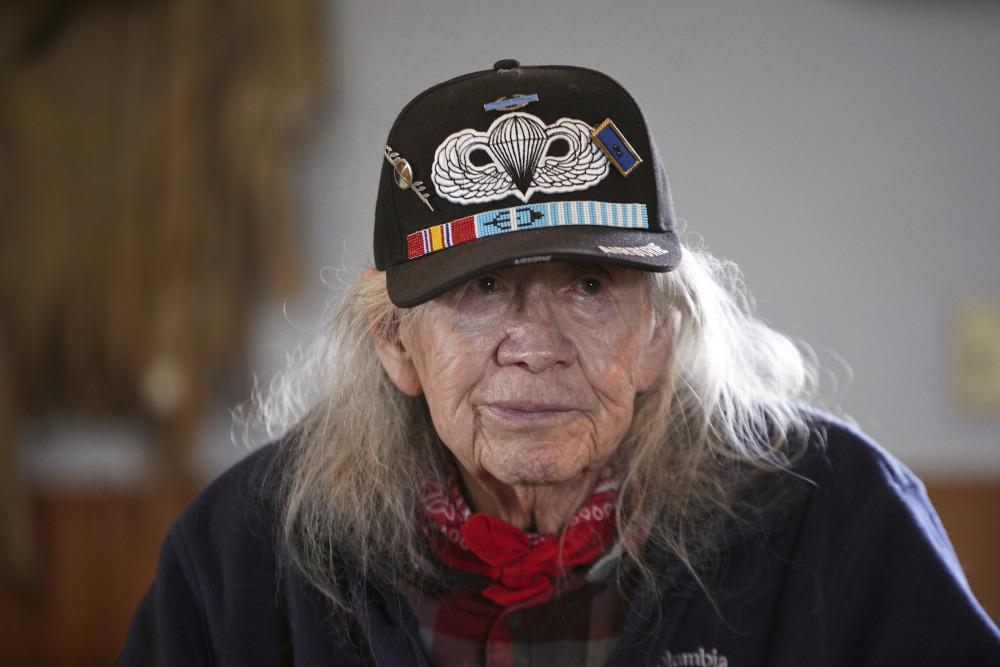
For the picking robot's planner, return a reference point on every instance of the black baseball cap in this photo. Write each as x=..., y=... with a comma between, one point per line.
x=518, y=165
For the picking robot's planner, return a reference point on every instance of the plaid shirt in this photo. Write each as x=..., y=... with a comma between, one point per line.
x=577, y=627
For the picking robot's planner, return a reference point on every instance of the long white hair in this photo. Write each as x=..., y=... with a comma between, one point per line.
x=727, y=408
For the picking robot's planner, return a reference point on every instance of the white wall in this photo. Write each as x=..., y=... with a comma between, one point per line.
x=846, y=153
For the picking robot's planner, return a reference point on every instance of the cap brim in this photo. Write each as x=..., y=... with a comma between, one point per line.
x=418, y=280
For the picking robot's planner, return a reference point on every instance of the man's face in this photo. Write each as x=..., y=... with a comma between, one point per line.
x=531, y=372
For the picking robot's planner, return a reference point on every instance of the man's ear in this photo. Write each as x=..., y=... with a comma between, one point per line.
x=657, y=353
x=395, y=357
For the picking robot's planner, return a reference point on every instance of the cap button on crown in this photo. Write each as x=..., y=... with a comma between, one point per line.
x=506, y=63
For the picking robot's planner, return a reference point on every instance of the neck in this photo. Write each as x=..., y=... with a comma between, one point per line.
x=539, y=508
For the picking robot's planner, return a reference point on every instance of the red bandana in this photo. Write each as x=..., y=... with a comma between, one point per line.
x=521, y=565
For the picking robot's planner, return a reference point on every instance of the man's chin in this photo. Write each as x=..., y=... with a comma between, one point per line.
x=537, y=463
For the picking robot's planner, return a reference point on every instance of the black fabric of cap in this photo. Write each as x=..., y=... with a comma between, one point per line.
x=456, y=105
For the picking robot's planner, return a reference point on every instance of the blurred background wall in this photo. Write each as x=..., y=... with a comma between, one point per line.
x=845, y=153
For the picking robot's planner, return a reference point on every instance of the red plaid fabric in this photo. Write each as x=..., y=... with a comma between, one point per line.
x=530, y=602
x=579, y=626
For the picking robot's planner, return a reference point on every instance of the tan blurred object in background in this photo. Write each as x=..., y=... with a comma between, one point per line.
x=145, y=167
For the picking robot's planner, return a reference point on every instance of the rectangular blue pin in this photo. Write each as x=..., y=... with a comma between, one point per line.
x=615, y=147
x=515, y=102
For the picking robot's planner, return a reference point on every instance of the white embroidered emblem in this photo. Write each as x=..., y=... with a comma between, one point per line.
x=519, y=158
x=648, y=250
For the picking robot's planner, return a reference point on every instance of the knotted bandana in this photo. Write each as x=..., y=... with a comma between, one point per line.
x=521, y=565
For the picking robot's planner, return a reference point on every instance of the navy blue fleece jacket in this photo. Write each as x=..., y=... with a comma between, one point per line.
x=852, y=567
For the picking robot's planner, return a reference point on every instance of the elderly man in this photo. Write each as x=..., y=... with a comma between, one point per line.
x=546, y=433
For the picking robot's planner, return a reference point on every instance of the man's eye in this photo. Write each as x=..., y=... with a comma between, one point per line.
x=485, y=285
x=591, y=286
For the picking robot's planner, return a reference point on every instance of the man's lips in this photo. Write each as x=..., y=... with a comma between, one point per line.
x=526, y=410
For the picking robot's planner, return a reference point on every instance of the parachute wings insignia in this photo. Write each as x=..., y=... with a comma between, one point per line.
x=518, y=155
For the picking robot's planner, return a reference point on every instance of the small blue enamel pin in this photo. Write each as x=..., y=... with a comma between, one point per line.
x=510, y=103
x=615, y=147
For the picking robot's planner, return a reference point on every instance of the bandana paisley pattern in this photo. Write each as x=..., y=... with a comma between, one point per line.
x=522, y=566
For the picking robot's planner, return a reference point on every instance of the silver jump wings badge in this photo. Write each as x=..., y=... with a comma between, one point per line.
x=520, y=155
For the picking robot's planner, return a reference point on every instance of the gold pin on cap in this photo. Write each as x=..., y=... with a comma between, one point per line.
x=404, y=175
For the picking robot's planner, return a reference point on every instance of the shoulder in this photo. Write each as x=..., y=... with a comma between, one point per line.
x=869, y=513
x=228, y=535
x=845, y=492
x=847, y=466
x=218, y=558
x=836, y=472
x=223, y=592
x=243, y=497
x=870, y=551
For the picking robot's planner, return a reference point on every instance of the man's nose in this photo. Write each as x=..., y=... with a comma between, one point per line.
x=534, y=335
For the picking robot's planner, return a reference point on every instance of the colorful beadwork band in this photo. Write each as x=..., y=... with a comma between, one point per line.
x=526, y=216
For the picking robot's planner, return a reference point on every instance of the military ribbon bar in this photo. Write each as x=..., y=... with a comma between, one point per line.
x=526, y=216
